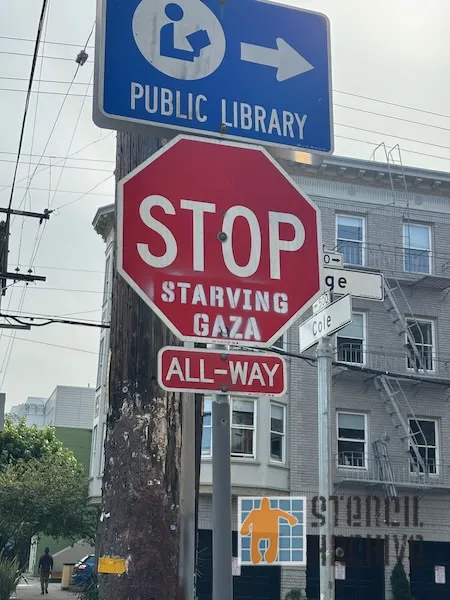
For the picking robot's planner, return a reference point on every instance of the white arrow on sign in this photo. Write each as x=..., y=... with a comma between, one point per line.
x=284, y=58
x=332, y=318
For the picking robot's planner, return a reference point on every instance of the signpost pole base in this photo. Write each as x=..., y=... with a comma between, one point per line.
x=221, y=499
x=324, y=364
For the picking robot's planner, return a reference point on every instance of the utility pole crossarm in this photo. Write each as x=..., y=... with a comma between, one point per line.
x=22, y=277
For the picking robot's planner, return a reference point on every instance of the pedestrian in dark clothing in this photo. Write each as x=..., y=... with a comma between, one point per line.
x=45, y=569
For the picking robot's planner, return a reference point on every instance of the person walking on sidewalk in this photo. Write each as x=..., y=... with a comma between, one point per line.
x=45, y=569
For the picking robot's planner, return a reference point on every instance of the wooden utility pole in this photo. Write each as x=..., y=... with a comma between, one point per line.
x=141, y=483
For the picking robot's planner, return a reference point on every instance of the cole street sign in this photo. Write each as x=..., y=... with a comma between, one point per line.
x=360, y=284
x=325, y=322
x=246, y=70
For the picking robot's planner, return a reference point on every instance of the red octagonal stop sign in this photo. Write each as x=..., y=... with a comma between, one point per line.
x=219, y=241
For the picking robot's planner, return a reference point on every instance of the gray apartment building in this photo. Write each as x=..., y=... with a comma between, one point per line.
x=391, y=388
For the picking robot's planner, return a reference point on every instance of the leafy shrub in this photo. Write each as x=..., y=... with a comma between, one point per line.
x=401, y=590
x=10, y=575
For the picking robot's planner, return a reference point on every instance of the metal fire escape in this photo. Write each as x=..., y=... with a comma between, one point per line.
x=390, y=389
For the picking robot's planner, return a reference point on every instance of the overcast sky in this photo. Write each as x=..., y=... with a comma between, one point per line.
x=392, y=52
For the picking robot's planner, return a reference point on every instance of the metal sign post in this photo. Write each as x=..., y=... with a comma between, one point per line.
x=222, y=550
x=324, y=363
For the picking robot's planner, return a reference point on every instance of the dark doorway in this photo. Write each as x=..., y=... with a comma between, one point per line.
x=423, y=558
x=254, y=583
x=364, y=568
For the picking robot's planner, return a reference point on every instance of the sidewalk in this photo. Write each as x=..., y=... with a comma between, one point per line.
x=31, y=590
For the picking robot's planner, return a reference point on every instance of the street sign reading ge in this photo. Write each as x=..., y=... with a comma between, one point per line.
x=247, y=70
x=219, y=241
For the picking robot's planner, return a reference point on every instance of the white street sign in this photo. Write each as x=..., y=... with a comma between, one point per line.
x=322, y=302
x=327, y=321
x=333, y=259
x=360, y=284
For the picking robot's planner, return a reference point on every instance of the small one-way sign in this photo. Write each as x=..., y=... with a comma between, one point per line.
x=333, y=259
x=218, y=371
x=245, y=70
x=325, y=322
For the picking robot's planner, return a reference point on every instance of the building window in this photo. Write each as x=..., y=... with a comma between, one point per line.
x=417, y=248
x=94, y=449
x=352, y=440
x=207, y=427
x=102, y=451
x=351, y=341
x=350, y=238
x=281, y=342
x=100, y=363
x=107, y=279
x=277, y=432
x=243, y=426
x=424, y=434
x=423, y=334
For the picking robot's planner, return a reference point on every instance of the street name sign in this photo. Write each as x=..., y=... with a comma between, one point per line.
x=218, y=371
x=360, y=284
x=333, y=259
x=246, y=70
x=202, y=241
x=326, y=322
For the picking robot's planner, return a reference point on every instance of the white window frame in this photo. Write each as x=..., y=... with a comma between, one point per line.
x=433, y=345
x=364, y=340
x=209, y=454
x=101, y=353
x=363, y=241
x=366, y=439
x=94, y=438
x=247, y=427
x=253, y=428
x=409, y=247
x=102, y=451
x=437, y=446
x=283, y=435
x=107, y=279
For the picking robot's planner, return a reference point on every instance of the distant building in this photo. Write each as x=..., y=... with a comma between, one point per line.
x=70, y=410
x=33, y=411
x=68, y=406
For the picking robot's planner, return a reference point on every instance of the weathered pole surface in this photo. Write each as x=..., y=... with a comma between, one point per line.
x=141, y=484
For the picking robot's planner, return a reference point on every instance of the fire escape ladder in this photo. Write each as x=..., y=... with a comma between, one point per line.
x=403, y=328
x=393, y=394
x=385, y=472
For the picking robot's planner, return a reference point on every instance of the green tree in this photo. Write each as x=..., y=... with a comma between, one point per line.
x=43, y=490
x=401, y=590
x=21, y=442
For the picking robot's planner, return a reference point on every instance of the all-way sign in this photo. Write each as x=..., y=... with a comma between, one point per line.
x=218, y=371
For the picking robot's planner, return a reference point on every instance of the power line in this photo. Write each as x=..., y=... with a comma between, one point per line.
x=68, y=157
x=371, y=112
x=42, y=57
x=343, y=137
x=21, y=39
x=5, y=160
x=422, y=110
x=27, y=102
x=392, y=135
x=52, y=289
x=49, y=344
